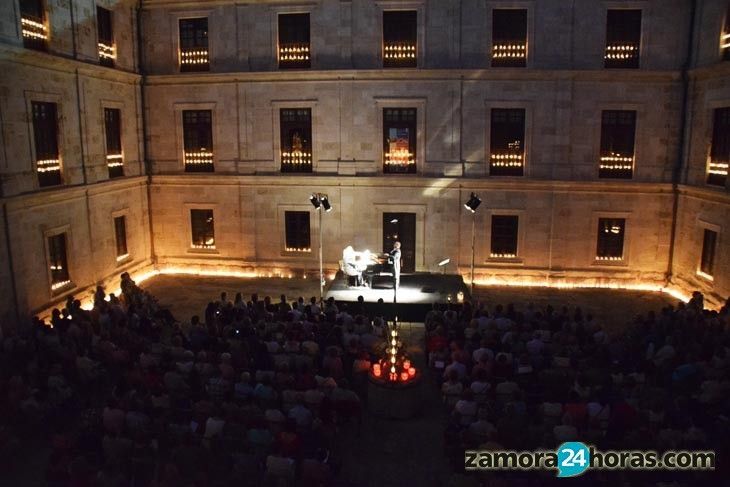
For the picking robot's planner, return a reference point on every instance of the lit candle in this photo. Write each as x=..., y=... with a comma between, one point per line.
x=412, y=371
x=404, y=376
x=406, y=364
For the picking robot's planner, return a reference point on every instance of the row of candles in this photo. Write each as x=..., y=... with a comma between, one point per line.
x=719, y=168
x=502, y=256
x=48, y=165
x=34, y=29
x=107, y=51
x=294, y=53
x=399, y=157
x=114, y=160
x=296, y=157
x=509, y=51
x=200, y=157
x=194, y=56
x=298, y=249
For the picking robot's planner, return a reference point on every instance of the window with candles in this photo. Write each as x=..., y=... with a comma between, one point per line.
x=294, y=41
x=509, y=38
x=113, y=133
x=295, y=125
x=58, y=261
x=610, y=239
x=717, y=166
x=105, y=34
x=194, y=44
x=198, y=140
x=623, y=38
x=400, y=39
x=33, y=24
x=120, y=236
x=203, y=229
x=504, y=236
x=297, y=232
x=507, y=142
x=45, y=135
x=725, y=37
x=399, y=140
x=618, y=129
x=707, y=261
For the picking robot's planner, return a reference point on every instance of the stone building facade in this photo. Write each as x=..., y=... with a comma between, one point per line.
x=214, y=73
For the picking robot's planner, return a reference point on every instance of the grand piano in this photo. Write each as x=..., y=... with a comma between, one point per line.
x=364, y=267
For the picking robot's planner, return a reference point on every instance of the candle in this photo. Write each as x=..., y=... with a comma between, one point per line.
x=412, y=371
x=406, y=364
x=404, y=376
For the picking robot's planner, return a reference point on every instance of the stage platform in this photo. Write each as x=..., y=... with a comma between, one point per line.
x=413, y=298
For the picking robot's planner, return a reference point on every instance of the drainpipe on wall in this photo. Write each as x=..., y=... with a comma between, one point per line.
x=143, y=114
x=13, y=285
x=685, y=131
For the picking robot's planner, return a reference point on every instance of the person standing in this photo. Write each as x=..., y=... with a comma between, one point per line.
x=395, y=256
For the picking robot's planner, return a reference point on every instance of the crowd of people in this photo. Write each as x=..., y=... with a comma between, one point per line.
x=257, y=392
x=527, y=379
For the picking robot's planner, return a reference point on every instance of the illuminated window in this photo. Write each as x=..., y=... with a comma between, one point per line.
x=509, y=38
x=194, y=44
x=504, y=236
x=725, y=37
x=720, y=149
x=58, y=262
x=400, y=32
x=113, y=133
x=45, y=135
x=105, y=34
x=623, y=38
x=198, y=140
x=296, y=139
x=203, y=229
x=399, y=140
x=610, y=239
x=33, y=24
x=296, y=228
x=294, y=41
x=618, y=128
x=507, y=142
x=707, y=261
x=120, y=236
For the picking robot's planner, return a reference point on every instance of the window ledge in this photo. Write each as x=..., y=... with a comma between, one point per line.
x=505, y=260
x=610, y=262
x=123, y=259
x=212, y=250
x=705, y=276
x=69, y=286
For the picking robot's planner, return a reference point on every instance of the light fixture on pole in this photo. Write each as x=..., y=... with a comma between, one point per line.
x=443, y=263
x=320, y=201
x=472, y=206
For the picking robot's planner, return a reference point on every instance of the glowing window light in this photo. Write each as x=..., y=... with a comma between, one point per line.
x=298, y=249
x=705, y=275
x=503, y=256
x=202, y=156
x=511, y=50
x=399, y=51
x=122, y=257
x=609, y=258
x=717, y=168
x=195, y=56
x=294, y=53
x=107, y=51
x=114, y=160
x=208, y=244
x=505, y=160
x=622, y=51
x=725, y=41
x=399, y=157
x=296, y=158
x=34, y=28
x=58, y=285
x=48, y=165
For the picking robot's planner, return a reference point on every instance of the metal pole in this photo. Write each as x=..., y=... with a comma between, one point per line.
x=473, y=241
x=321, y=272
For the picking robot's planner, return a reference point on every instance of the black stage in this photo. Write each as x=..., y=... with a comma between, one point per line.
x=413, y=298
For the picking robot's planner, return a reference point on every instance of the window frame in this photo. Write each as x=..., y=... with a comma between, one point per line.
x=411, y=125
x=195, y=130
x=494, y=41
x=39, y=153
x=604, y=151
x=506, y=255
x=632, y=63
x=285, y=146
x=294, y=64
x=40, y=27
x=491, y=149
x=114, y=155
x=104, y=22
x=391, y=13
x=193, y=68
x=290, y=245
x=202, y=247
x=123, y=243
x=602, y=222
x=713, y=158
x=47, y=235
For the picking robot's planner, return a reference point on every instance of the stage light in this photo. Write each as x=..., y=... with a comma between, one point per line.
x=326, y=203
x=394, y=220
x=444, y=262
x=473, y=203
x=315, y=201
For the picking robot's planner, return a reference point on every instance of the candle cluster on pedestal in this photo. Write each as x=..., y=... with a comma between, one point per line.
x=394, y=365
